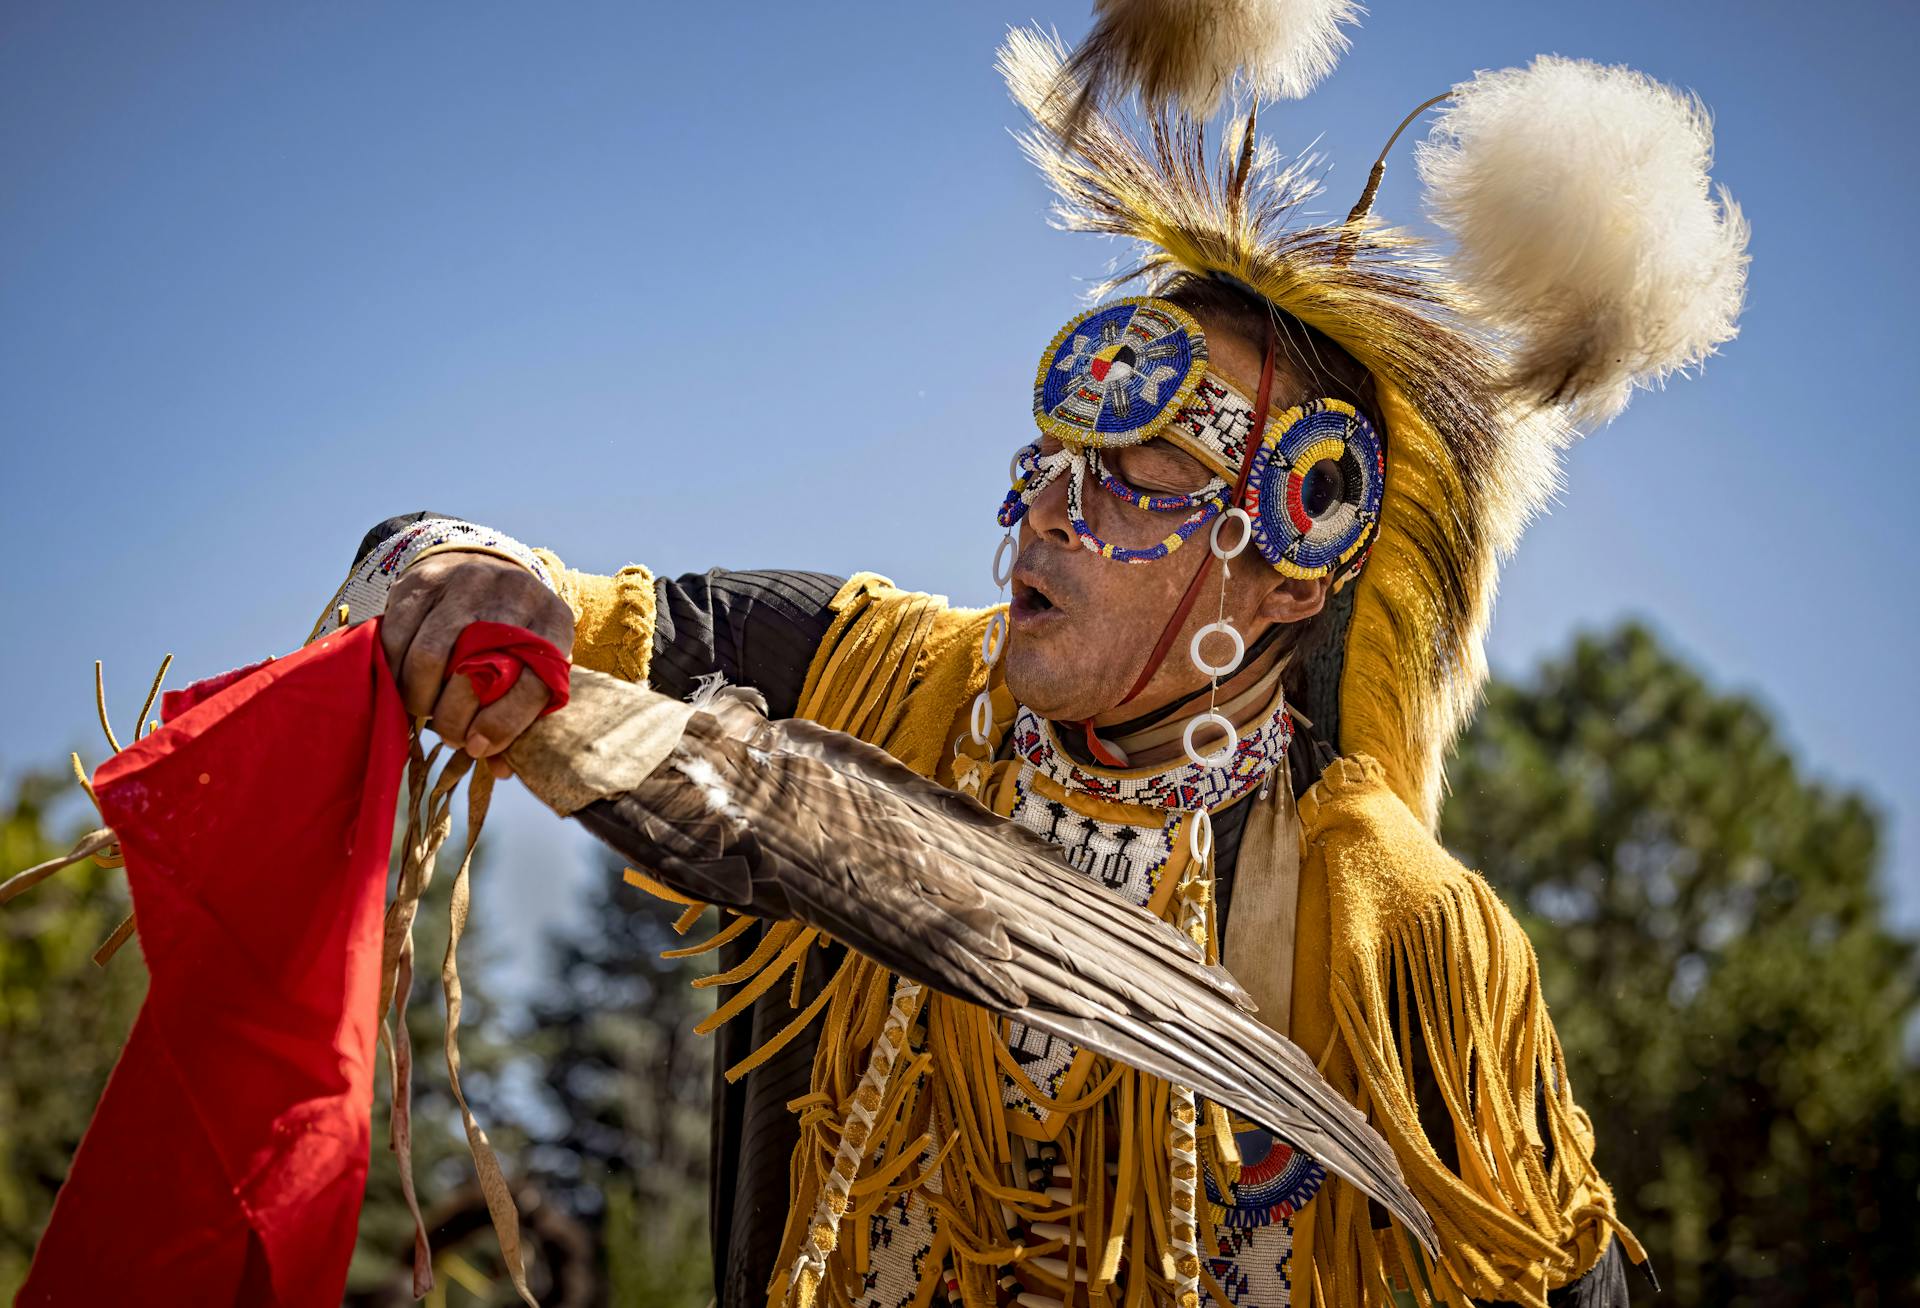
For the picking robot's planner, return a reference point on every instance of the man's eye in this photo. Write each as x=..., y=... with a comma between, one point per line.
x=1158, y=474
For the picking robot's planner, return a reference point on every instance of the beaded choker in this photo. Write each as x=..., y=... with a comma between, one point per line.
x=1182, y=786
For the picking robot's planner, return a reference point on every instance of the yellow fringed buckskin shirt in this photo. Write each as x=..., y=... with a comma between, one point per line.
x=1395, y=968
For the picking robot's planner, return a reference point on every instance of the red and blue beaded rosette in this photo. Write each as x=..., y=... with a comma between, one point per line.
x=1315, y=488
x=1119, y=373
x=1276, y=1181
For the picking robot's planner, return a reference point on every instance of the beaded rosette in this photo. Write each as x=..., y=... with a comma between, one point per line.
x=1315, y=487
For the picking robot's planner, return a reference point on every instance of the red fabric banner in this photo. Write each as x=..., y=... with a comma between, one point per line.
x=227, y=1159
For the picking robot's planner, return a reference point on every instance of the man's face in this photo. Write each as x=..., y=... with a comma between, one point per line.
x=1084, y=626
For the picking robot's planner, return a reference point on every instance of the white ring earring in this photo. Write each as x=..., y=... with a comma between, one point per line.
x=1002, y=577
x=994, y=639
x=1200, y=836
x=980, y=723
x=1234, y=514
x=1217, y=669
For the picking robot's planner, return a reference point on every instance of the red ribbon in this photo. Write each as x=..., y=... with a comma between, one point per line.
x=492, y=655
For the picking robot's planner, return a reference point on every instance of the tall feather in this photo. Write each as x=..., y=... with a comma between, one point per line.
x=1588, y=233
x=1186, y=52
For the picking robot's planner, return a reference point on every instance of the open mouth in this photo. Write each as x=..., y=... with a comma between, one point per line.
x=1030, y=601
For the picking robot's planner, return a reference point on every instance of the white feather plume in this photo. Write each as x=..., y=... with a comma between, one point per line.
x=1186, y=52
x=1588, y=233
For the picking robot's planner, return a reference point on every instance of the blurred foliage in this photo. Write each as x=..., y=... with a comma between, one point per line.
x=629, y=1086
x=1712, y=941
x=62, y=1019
x=468, y=1267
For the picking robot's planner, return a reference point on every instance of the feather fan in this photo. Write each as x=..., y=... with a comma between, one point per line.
x=788, y=820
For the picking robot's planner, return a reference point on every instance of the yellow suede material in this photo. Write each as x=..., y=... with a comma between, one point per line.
x=612, y=617
x=1382, y=909
x=1383, y=914
x=897, y=669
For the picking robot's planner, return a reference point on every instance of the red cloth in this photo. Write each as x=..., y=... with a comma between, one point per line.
x=491, y=655
x=227, y=1159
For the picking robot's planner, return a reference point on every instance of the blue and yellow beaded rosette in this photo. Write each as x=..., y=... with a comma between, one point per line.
x=1119, y=373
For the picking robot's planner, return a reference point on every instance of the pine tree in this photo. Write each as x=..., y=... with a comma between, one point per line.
x=1712, y=940
x=630, y=1085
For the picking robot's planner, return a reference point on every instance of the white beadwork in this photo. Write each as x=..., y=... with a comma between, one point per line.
x=366, y=588
x=836, y=1195
x=1125, y=859
x=1184, y=785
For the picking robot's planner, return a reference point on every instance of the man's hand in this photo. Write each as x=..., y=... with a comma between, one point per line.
x=428, y=608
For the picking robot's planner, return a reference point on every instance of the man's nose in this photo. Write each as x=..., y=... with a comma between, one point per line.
x=1048, y=512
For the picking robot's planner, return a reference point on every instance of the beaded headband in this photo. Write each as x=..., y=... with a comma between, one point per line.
x=1135, y=369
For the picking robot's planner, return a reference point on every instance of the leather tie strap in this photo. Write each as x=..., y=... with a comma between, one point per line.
x=1192, y=595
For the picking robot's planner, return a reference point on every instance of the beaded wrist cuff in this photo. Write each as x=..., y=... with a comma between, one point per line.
x=364, y=593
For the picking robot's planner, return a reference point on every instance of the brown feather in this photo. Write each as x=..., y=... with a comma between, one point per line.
x=788, y=820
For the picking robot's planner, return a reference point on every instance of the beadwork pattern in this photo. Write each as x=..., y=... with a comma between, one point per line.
x=1217, y=422
x=1119, y=372
x=1188, y=786
x=1276, y=1181
x=1210, y=506
x=364, y=592
x=1128, y=860
x=1315, y=487
x=1135, y=369
x=1252, y=1220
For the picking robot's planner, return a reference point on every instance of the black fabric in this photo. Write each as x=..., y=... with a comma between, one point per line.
x=758, y=629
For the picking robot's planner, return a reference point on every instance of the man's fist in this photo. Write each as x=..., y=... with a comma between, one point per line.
x=428, y=608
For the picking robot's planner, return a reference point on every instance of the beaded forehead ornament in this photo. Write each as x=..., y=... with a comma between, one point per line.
x=1136, y=369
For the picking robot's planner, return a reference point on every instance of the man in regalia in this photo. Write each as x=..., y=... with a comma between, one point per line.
x=1249, y=555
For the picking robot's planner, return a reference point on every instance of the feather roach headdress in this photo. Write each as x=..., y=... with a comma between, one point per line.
x=1589, y=257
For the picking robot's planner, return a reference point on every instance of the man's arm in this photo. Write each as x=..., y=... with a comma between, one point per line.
x=755, y=628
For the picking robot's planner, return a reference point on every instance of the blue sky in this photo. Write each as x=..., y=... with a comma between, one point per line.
x=763, y=285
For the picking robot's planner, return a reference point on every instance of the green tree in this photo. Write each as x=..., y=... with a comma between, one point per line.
x=62, y=1019
x=630, y=1085
x=1713, y=946
x=469, y=1270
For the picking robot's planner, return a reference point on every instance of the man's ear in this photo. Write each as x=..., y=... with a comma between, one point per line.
x=1293, y=600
